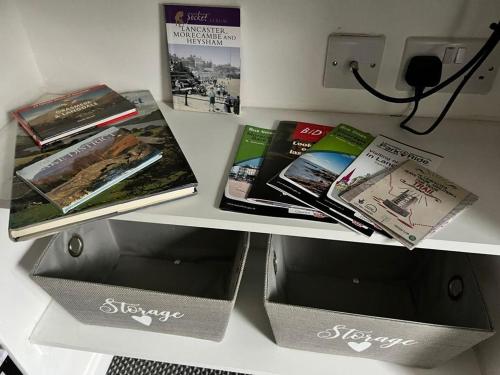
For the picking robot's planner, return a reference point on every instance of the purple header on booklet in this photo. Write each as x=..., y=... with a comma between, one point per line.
x=194, y=15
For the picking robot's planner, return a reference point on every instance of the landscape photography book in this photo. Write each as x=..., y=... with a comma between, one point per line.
x=381, y=154
x=31, y=215
x=409, y=201
x=76, y=174
x=204, y=57
x=310, y=176
x=51, y=120
x=290, y=140
x=249, y=156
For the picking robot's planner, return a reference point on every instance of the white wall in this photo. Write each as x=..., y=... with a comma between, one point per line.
x=283, y=47
x=20, y=80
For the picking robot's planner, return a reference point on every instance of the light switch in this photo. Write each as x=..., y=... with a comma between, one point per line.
x=461, y=56
x=449, y=55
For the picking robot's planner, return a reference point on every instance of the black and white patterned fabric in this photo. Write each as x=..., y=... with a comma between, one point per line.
x=134, y=366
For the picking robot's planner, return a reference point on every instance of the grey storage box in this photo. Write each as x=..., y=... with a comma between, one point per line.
x=162, y=278
x=417, y=308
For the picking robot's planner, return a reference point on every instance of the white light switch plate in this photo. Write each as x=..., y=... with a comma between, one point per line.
x=454, y=53
x=344, y=48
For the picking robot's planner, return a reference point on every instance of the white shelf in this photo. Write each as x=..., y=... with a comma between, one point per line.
x=248, y=346
x=470, y=148
x=209, y=141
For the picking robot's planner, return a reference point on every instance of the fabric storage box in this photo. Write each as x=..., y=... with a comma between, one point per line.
x=162, y=278
x=417, y=308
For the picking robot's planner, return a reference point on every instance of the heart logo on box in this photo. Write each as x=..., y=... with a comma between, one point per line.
x=145, y=319
x=359, y=346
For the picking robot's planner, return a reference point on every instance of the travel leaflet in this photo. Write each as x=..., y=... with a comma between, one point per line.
x=409, y=201
x=309, y=177
x=290, y=140
x=248, y=160
x=381, y=154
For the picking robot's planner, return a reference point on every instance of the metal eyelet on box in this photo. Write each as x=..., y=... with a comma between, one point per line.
x=75, y=246
x=455, y=287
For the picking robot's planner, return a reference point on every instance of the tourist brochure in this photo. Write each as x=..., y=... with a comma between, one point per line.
x=204, y=57
x=247, y=162
x=310, y=176
x=82, y=171
x=409, y=201
x=289, y=142
x=381, y=154
x=51, y=120
x=171, y=177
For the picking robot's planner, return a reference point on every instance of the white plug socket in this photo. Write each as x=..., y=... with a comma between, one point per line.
x=454, y=53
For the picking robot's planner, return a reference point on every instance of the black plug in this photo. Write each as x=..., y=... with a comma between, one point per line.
x=424, y=71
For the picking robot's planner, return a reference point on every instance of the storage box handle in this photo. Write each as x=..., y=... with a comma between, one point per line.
x=75, y=246
x=456, y=287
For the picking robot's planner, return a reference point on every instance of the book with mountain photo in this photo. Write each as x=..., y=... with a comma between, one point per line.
x=309, y=177
x=246, y=166
x=78, y=173
x=409, y=201
x=204, y=57
x=381, y=154
x=31, y=215
x=63, y=116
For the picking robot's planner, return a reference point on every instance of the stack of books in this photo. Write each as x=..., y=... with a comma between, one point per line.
x=96, y=153
x=367, y=183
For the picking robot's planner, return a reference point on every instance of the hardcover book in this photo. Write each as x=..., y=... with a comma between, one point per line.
x=289, y=142
x=169, y=178
x=204, y=57
x=409, y=201
x=381, y=154
x=76, y=174
x=246, y=166
x=310, y=176
x=51, y=120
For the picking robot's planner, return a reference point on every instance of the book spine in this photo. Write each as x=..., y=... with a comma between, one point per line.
x=29, y=130
x=118, y=119
x=69, y=95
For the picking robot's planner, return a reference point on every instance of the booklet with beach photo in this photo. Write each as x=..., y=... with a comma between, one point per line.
x=310, y=176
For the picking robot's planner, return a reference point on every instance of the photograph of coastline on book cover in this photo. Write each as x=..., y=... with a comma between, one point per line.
x=204, y=57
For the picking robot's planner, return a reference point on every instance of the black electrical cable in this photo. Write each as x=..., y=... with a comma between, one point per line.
x=450, y=102
x=485, y=50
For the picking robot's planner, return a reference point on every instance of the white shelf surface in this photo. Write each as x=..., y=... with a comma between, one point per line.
x=470, y=148
x=248, y=346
